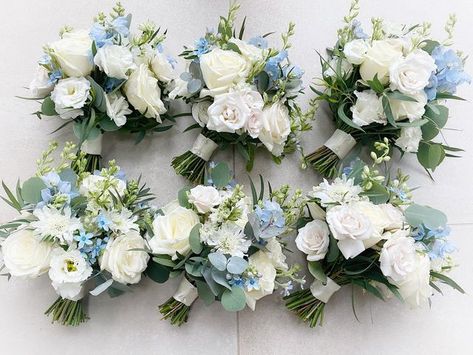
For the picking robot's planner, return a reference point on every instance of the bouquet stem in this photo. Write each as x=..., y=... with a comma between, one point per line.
x=324, y=161
x=67, y=312
x=306, y=306
x=177, y=312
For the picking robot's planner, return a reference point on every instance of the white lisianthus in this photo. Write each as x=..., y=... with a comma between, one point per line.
x=264, y=267
x=395, y=217
x=73, y=52
x=179, y=88
x=171, y=231
x=409, y=139
x=274, y=251
x=341, y=190
x=200, y=112
x=143, y=92
x=41, y=86
x=345, y=67
x=276, y=128
x=355, y=51
x=367, y=109
x=204, y=198
x=313, y=240
x=412, y=110
x=25, y=255
x=398, y=258
x=379, y=58
x=125, y=265
x=351, y=228
x=117, y=108
x=68, y=270
x=115, y=61
x=58, y=224
x=69, y=96
x=228, y=113
x=162, y=68
x=250, y=52
x=221, y=70
x=411, y=74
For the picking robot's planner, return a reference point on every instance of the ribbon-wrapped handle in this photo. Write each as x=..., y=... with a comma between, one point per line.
x=340, y=143
x=204, y=147
x=186, y=293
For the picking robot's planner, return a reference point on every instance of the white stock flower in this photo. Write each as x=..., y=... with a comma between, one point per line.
x=355, y=51
x=200, y=112
x=398, y=257
x=274, y=251
x=409, y=139
x=412, y=110
x=115, y=61
x=68, y=270
x=367, y=109
x=69, y=96
x=276, y=128
x=57, y=224
x=379, y=58
x=341, y=190
x=117, y=108
x=228, y=113
x=41, y=86
x=162, y=68
x=125, y=265
x=143, y=92
x=261, y=262
x=313, y=240
x=25, y=255
x=228, y=239
x=204, y=198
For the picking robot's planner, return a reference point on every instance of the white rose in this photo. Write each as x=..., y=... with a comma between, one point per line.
x=40, y=86
x=125, y=265
x=115, y=61
x=274, y=251
x=68, y=270
x=204, y=198
x=411, y=74
x=171, y=231
x=398, y=258
x=379, y=58
x=221, y=70
x=69, y=96
x=74, y=53
x=313, y=240
x=375, y=213
x=395, y=217
x=412, y=110
x=409, y=139
x=228, y=113
x=367, y=109
x=162, y=68
x=345, y=67
x=25, y=255
x=143, y=92
x=276, y=128
x=179, y=88
x=200, y=112
x=255, y=102
x=350, y=227
x=355, y=51
x=117, y=108
x=265, y=268
x=250, y=52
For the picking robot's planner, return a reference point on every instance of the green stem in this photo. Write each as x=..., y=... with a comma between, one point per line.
x=177, y=312
x=67, y=312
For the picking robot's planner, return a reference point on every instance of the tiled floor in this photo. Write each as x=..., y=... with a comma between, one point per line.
x=130, y=324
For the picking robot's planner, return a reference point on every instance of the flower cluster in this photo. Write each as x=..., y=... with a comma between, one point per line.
x=242, y=93
x=227, y=246
x=370, y=234
x=80, y=229
x=390, y=84
x=105, y=79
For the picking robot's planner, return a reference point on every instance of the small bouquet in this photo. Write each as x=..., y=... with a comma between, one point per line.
x=364, y=230
x=242, y=94
x=104, y=79
x=83, y=230
x=391, y=84
x=227, y=247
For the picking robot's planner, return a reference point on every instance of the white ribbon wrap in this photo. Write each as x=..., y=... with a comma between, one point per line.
x=204, y=147
x=93, y=146
x=324, y=292
x=340, y=143
x=186, y=293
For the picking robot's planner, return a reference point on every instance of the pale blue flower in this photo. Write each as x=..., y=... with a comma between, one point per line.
x=202, y=46
x=84, y=239
x=419, y=233
x=51, y=179
x=441, y=232
x=270, y=215
x=55, y=76
x=259, y=42
x=100, y=35
x=252, y=284
x=103, y=222
x=357, y=30
x=273, y=66
x=236, y=280
x=121, y=25
x=296, y=72
x=440, y=248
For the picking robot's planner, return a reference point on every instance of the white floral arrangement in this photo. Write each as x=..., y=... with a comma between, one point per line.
x=392, y=83
x=105, y=79
x=364, y=230
x=83, y=230
x=242, y=94
x=227, y=246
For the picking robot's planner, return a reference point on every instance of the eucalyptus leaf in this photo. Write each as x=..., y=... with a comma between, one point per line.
x=430, y=155
x=156, y=272
x=218, y=260
x=31, y=190
x=183, y=197
x=220, y=277
x=236, y=265
x=205, y=293
x=234, y=300
x=48, y=108
x=428, y=216
x=378, y=194
x=194, y=239
x=317, y=271
x=220, y=175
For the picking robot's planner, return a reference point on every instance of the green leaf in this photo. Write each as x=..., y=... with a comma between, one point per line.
x=108, y=125
x=193, y=269
x=234, y=300
x=317, y=271
x=233, y=47
x=12, y=200
x=194, y=239
x=333, y=251
x=220, y=175
x=236, y=265
x=396, y=95
x=99, y=95
x=220, y=277
x=341, y=114
x=430, y=155
x=218, y=260
x=387, y=111
x=447, y=280
x=430, y=217
x=376, y=85
x=205, y=293
x=378, y=194
x=447, y=96
x=164, y=260
x=48, y=108
x=183, y=197
x=31, y=190
x=429, y=45
x=262, y=82
x=437, y=116
x=157, y=272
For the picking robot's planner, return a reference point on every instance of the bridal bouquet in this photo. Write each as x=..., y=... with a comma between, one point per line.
x=392, y=83
x=104, y=79
x=364, y=230
x=242, y=94
x=227, y=246
x=80, y=229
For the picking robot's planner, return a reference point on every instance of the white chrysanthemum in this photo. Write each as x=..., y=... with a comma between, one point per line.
x=56, y=223
x=229, y=239
x=341, y=190
x=122, y=221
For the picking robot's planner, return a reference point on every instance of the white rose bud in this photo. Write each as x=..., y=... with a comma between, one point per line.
x=162, y=68
x=313, y=240
x=250, y=52
x=115, y=61
x=276, y=128
x=204, y=198
x=40, y=86
x=367, y=109
x=379, y=58
x=394, y=215
x=69, y=96
x=355, y=51
x=409, y=139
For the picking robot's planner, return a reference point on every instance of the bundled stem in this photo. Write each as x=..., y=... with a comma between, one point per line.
x=67, y=312
x=177, y=312
x=324, y=161
x=190, y=166
x=306, y=306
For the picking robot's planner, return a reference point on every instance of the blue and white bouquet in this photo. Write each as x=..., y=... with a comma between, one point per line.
x=242, y=95
x=392, y=83
x=105, y=79
x=364, y=230
x=83, y=230
x=227, y=246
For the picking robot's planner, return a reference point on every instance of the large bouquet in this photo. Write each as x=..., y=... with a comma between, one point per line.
x=79, y=229
x=104, y=79
x=242, y=94
x=226, y=246
x=364, y=230
x=390, y=84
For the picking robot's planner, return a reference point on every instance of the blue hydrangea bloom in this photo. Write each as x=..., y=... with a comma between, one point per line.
x=273, y=68
x=202, y=46
x=271, y=215
x=259, y=42
x=441, y=232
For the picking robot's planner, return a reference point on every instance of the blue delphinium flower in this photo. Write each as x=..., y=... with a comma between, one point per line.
x=100, y=35
x=419, y=233
x=51, y=179
x=202, y=46
x=273, y=68
x=84, y=239
x=103, y=222
x=111, y=84
x=121, y=25
x=55, y=187
x=357, y=30
x=441, y=232
x=440, y=248
x=55, y=76
x=402, y=195
x=259, y=42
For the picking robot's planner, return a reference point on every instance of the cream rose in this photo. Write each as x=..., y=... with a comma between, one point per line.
x=204, y=198
x=264, y=266
x=115, y=61
x=162, y=68
x=276, y=128
x=313, y=240
x=25, y=255
x=367, y=109
x=40, y=86
x=73, y=52
x=379, y=58
x=395, y=218
x=228, y=113
x=355, y=51
x=69, y=96
x=255, y=102
x=409, y=139
x=250, y=52
x=398, y=257
x=412, y=110
x=125, y=265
